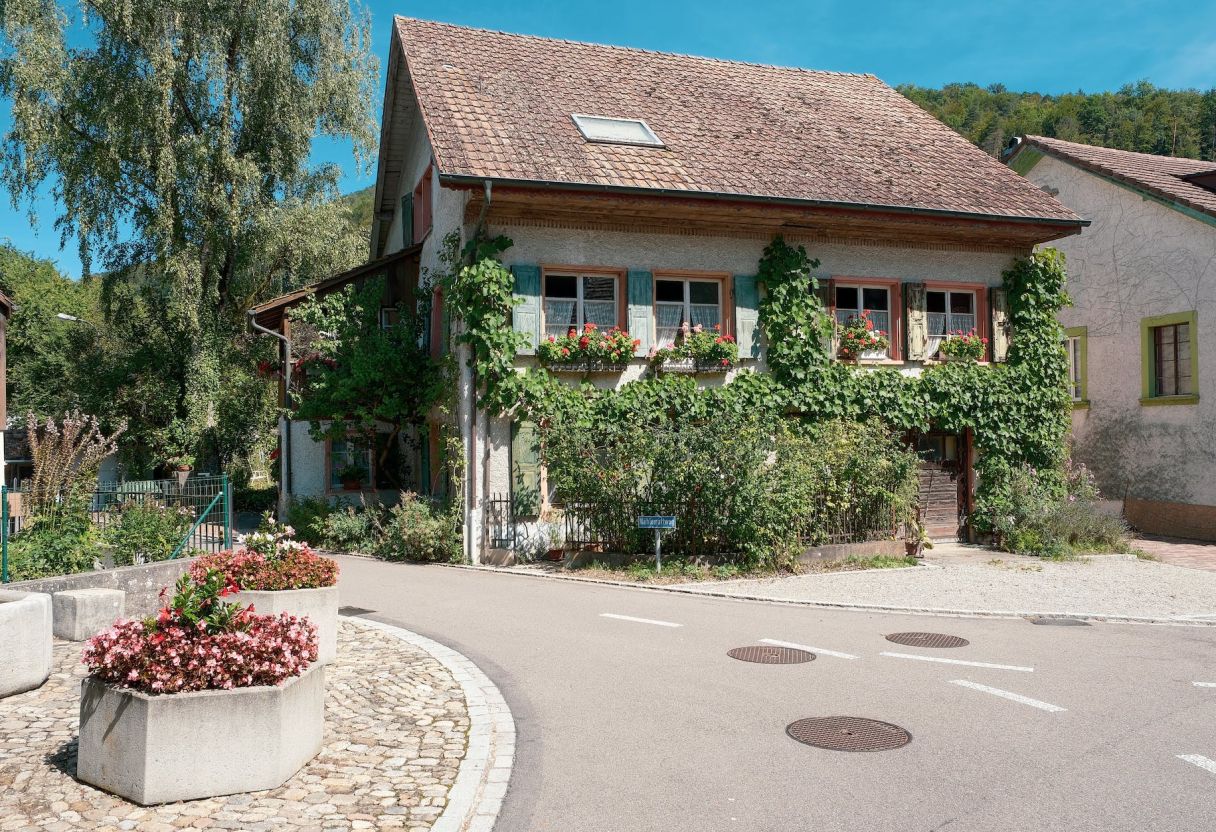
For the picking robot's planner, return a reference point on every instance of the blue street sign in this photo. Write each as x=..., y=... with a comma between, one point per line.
x=656, y=521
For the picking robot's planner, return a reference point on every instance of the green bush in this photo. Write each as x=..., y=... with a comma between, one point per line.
x=1053, y=513
x=352, y=530
x=258, y=499
x=146, y=529
x=419, y=529
x=49, y=547
x=307, y=515
x=747, y=488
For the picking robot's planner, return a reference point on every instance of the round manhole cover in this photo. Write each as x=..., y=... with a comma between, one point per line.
x=848, y=733
x=928, y=640
x=765, y=654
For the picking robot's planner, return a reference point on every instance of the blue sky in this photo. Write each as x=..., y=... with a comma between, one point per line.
x=1024, y=44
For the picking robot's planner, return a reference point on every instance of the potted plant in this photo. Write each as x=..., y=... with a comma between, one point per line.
x=962, y=346
x=206, y=698
x=860, y=340
x=277, y=574
x=916, y=539
x=696, y=350
x=351, y=477
x=591, y=350
x=181, y=464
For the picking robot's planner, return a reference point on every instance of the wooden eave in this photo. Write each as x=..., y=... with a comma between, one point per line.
x=685, y=214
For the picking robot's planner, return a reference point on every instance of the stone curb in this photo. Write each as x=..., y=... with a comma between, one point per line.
x=475, y=799
x=1180, y=621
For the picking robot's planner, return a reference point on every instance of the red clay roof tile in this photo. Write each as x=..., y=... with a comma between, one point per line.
x=500, y=106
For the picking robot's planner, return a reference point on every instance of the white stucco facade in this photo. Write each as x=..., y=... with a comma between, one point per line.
x=1140, y=259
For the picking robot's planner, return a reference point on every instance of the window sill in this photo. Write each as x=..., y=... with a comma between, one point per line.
x=1157, y=401
x=1080, y=404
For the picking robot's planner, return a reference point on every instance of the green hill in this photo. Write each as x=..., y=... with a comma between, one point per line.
x=1137, y=117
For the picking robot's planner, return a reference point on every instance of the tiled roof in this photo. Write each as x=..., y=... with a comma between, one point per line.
x=499, y=106
x=1162, y=176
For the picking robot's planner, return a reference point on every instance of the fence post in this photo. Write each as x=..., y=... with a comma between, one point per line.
x=3, y=533
x=227, y=512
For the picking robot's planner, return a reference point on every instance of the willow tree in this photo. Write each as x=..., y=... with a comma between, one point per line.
x=175, y=136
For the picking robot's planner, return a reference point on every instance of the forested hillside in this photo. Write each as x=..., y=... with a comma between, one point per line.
x=1137, y=117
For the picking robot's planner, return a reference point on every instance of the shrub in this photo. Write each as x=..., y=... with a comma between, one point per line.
x=198, y=641
x=1053, y=513
x=351, y=530
x=418, y=529
x=48, y=546
x=307, y=516
x=146, y=529
x=257, y=499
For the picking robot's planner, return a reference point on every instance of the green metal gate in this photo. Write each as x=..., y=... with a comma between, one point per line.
x=208, y=499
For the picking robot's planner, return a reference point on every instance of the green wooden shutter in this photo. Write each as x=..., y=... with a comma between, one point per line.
x=747, y=315
x=917, y=320
x=825, y=289
x=641, y=309
x=525, y=318
x=998, y=302
x=407, y=220
x=525, y=468
x=424, y=460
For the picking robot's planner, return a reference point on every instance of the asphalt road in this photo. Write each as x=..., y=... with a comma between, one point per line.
x=628, y=725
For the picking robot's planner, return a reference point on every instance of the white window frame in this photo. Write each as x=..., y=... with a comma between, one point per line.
x=585, y=124
x=579, y=313
x=686, y=314
x=861, y=287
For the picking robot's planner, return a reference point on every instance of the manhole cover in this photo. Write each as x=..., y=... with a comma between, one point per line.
x=848, y=733
x=353, y=611
x=764, y=654
x=927, y=640
x=1058, y=622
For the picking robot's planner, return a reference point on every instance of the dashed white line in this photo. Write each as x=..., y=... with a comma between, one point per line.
x=1199, y=760
x=815, y=650
x=1204, y=684
x=1015, y=697
x=959, y=661
x=639, y=620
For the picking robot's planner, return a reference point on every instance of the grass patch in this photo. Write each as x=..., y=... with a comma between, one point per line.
x=1143, y=555
x=678, y=571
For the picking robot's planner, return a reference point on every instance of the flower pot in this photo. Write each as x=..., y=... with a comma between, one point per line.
x=184, y=746
x=182, y=472
x=555, y=554
x=912, y=548
x=319, y=605
x=955, y=359
x=352, y=485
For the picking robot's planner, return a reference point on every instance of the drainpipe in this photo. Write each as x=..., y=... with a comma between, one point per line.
x=284, y=422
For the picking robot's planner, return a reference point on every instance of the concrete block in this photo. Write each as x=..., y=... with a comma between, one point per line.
x=25, y=641
x=320, y=606
x=83, y=613
x=184, y=746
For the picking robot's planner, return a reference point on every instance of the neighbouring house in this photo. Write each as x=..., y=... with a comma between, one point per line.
x=1143, y=283
x=640, y=189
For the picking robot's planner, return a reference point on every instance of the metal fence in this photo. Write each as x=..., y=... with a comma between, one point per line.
x=207, y=499
x=500, y=522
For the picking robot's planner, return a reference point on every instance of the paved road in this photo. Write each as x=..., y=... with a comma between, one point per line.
x=626, y=725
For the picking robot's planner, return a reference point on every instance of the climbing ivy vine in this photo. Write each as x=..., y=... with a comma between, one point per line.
x=1017, y=411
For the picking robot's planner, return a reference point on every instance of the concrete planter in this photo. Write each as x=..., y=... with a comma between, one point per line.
x=320, y=606
x=185, y=746
x=25, y=641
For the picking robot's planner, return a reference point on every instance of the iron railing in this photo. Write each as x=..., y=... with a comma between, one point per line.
x=207, y=498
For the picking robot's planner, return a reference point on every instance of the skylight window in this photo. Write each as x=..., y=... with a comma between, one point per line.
x=616, y=130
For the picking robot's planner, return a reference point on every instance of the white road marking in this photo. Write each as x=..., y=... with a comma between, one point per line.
x=1204, y=684
x=639, y=620
x=1199, y=760
x=1004, y=694
x=815, y=650
x=959, y=661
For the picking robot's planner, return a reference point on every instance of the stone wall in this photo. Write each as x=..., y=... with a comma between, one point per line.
x=141, y=583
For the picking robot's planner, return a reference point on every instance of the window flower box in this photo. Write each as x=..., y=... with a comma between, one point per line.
x=861, y=341
x=696, y=350
x=277, y=574
x=962, y=347
x=589, y=351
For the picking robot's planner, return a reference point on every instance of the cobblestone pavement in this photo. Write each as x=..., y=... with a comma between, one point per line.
x=1195, y=554
x=396, y=729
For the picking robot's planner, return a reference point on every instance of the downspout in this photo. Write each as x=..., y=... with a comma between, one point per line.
x=284, y=422
x=476, y=438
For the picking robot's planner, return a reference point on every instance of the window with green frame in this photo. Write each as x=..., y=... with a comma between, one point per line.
x=1169, y=359
x=1076, y=345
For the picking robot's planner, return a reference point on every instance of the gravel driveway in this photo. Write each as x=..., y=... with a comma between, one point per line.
x=989, y=582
